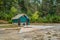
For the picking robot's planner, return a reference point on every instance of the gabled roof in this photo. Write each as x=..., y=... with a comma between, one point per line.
x=18, y=16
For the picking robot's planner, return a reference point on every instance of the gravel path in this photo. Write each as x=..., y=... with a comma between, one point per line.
x=43, y=34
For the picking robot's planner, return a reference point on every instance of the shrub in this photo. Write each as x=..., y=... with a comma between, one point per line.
x=53, y=18
x=35, y=16
x=49, y=19
x=10, y=21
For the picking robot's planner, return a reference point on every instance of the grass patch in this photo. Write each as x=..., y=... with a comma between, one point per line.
x=6, y=27
x=9, y=26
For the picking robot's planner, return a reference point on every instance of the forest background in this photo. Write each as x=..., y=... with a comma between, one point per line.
x=39, y=11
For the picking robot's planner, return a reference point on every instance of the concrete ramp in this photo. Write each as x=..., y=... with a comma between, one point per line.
x=38, y=26
x=22, y=30
x=32, y=28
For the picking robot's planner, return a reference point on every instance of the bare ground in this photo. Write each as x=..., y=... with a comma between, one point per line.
x=43, y=34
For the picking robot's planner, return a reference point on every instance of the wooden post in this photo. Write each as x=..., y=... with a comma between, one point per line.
x=18, y=22
x=18, y=25
x=27, y=22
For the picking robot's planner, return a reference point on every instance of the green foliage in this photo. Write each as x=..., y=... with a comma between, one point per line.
x=34, y=16
x=8, y=8
x=13, y=9
x=46, y=11
x=10, y=21
x=52, y=19
x=49, y=19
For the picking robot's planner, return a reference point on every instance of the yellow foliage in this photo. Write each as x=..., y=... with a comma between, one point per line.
x=13, y=9
x=35, y=15
x=1, y=2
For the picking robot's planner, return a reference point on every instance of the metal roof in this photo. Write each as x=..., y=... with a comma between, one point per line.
x=18, y=16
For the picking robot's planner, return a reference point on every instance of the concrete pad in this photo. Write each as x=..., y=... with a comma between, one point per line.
x=39, y=26
x=29, y=28
x=26, y=30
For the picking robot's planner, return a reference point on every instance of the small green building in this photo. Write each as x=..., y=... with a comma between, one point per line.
x=21, y=19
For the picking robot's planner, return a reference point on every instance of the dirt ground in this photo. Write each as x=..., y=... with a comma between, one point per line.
x=41, y=34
